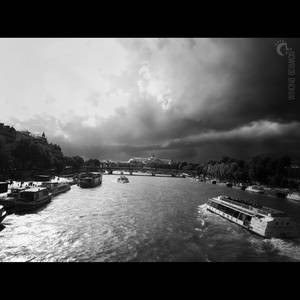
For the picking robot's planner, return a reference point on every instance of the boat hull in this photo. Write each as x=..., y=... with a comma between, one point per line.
x=22, y=206
x=60, y=190
x=86, y=185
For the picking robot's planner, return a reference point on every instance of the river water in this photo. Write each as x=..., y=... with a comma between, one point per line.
x=149, y=219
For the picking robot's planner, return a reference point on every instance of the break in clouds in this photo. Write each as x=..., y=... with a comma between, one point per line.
x=186, y=99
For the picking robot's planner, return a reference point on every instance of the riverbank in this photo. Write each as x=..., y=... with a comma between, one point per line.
x=275, y=192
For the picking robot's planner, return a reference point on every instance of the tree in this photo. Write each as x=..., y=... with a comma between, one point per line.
x=92, y=163
x=4, y=157
x=78, y=162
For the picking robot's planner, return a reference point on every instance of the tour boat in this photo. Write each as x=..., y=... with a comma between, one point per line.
x=295, y=196
x=123, y=179
x=90, y=179
x=214, y=181
x=3, y=213
x=31, y=199
x=255, y=189
x=264, y=221
x=228, y=184
x=56, y=188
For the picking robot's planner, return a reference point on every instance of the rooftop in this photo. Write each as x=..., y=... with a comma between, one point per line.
x=34, y=190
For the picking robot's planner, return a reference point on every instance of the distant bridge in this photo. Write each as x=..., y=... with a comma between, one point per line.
x=130, y=170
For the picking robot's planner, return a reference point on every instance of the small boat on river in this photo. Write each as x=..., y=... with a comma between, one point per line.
x=32, y=199
x=90, y=179
x=123, y=179
x=295, y=196
x=255, y=189
x=264, y=221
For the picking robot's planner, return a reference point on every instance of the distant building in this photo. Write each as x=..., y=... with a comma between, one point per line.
x=294, y=171
x=7, y=133
x=25, y=134
x=146, y=161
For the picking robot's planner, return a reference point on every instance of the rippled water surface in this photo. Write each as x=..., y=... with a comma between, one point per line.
x=149, y=219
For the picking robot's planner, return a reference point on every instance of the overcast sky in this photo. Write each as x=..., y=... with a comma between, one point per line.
x=185, y=99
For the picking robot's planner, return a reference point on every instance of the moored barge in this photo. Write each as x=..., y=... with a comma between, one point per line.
x=56, y=188
x=32, y=199
x=90, y=179
x=264, y=221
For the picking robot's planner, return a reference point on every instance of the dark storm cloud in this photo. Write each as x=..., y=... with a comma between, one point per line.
x=225, y=97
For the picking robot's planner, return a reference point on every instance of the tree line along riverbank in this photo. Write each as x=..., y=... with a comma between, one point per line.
x=23, y=155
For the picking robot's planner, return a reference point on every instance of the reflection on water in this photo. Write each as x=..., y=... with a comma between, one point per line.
x=149, y=219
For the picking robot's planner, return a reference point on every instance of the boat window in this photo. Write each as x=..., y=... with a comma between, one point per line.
x=45, y=193
x=248, y=218
x=235, y=214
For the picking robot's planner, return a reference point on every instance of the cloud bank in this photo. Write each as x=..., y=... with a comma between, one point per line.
x=187, y=99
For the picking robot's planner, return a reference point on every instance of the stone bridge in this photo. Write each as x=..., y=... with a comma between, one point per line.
x=147, y=170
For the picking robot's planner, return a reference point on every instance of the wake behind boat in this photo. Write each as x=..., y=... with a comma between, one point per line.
x=264, y=221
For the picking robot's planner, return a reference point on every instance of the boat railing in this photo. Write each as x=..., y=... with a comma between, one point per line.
x=259, y=210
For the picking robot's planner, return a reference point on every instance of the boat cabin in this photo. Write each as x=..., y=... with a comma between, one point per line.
x=33, y=194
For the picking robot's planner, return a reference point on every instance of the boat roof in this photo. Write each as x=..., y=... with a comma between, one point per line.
x=255, y=186
x=90, y=174
x=34, y=190
x=252, y=209
x=18, y=188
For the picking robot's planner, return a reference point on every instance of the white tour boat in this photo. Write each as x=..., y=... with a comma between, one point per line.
x=264, y=221
x=255, y=189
